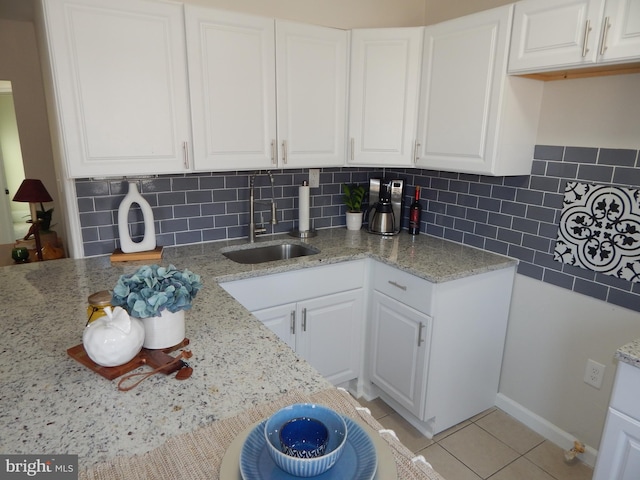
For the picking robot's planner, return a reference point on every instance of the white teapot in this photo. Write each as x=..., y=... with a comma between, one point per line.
x=114, y=339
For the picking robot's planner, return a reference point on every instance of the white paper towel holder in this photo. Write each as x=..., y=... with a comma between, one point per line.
x=308, y=234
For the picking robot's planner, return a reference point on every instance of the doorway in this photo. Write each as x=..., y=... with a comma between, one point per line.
x=13, y=215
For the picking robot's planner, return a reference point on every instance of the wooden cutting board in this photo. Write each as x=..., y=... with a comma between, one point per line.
x=153, y=358
x=119, y=256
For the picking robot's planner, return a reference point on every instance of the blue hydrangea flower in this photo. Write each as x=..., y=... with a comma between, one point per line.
x=152, y=289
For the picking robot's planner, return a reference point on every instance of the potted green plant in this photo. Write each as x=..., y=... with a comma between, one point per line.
x=158, y=296
x=353, y=196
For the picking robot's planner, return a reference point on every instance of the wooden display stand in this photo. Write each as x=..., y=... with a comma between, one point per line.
x=156, y=359
x=119, y=256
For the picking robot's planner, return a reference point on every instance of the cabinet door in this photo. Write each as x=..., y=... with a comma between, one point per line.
x=329, y=337
x=311, y=69
x=385, y=82
x=281, y=320
x=232, y=87
x=473, y=118
x=620, y=39
x=401, y=338
x=619, y=455
x=551, y=34
x=120, y=81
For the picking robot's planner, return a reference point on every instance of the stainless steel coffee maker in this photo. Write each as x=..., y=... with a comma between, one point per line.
x=386, y=199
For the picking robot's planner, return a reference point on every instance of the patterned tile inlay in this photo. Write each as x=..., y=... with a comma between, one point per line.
x=600, y=230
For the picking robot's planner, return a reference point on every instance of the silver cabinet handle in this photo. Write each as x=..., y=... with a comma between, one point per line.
x=284, y=152
x=304, y=319
x=352, y=147
x=420, y=339
x=397, y=285
x=416, y=148
x=185, y=154
x=293, y=322
x=587, y=30
x=603, y=39
x=273, y=152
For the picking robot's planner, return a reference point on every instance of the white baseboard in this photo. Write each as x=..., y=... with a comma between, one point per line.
x=545, y=428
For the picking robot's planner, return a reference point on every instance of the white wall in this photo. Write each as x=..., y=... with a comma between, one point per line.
x=12, y=156
x=592, y=112
x=20, y=63
x=553, y=331
x=332, y=13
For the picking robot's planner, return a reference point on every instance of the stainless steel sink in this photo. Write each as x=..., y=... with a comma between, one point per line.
x=269, y=253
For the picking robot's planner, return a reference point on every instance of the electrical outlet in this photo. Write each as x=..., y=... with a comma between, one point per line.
x=314, y=177
x=594, y=373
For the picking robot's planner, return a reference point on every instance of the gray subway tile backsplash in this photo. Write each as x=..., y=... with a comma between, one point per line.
x=514, y=216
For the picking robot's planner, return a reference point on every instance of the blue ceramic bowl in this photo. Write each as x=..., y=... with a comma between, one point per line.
x=304, y=437
x=306, y=467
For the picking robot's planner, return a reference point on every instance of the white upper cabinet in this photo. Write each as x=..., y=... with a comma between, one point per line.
x=232, y=86
x=557, y=34
x=241, y=120
x=620, y=39
x=311, y=78
x=473, y=117
x=119, y=85
x=385, y=83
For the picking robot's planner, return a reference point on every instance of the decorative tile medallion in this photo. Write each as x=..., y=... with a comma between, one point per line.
x=600, y=230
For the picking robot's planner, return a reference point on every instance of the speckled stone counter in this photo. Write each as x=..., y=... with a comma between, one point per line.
x=630, y=353
x=49, y=403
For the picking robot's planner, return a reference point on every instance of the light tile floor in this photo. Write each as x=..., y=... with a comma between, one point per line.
x=491, y=445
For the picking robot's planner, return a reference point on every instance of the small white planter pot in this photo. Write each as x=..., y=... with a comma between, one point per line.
x=164, y=331
x=354, y=220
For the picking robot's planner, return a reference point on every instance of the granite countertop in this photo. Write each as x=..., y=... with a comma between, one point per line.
x=49, y=403
x=630, y=353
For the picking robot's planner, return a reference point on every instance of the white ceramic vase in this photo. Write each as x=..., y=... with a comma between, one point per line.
x=354, y=220
x=164, y=331
x=148, y=242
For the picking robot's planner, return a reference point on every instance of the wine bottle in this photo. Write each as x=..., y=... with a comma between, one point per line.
x=415, y=211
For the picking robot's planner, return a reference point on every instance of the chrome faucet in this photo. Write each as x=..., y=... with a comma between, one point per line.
x=253, y=229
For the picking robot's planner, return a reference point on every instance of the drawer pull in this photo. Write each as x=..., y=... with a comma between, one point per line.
x=401, y=287
x=420, y=339
x=304, y=319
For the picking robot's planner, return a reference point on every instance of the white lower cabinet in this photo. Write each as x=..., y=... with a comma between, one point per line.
x=619, y=453
x=435, y=349
x=399, y=350
x=325, y=331
x=318, y=312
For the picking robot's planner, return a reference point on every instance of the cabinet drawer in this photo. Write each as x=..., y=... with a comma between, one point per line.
x=404, y=287
x=280, y=288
